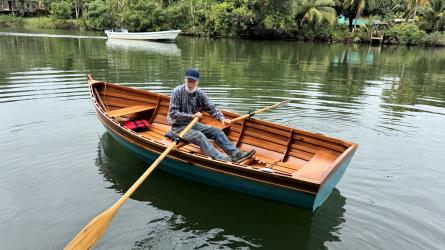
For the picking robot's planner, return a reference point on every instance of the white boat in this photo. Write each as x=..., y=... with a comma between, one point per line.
x=159, y=35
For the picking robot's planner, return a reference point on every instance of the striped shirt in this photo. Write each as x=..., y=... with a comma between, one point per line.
x=184, y=104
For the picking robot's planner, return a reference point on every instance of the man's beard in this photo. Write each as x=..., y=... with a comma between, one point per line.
x=191, y=91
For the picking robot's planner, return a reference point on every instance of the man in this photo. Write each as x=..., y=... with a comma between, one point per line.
x=186, y=103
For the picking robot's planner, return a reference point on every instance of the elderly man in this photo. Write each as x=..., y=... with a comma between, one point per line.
x=186, y=103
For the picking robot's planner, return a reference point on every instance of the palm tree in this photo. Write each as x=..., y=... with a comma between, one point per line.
x=413, y=5
x=316, y=11
x=357, y=7
x=434, y=15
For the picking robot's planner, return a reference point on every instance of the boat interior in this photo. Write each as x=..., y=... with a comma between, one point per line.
x=280, y=150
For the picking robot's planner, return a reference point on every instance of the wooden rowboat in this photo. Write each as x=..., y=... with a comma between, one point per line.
x=291, y=165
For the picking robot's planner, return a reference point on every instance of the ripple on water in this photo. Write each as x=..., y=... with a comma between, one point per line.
x=43, y=83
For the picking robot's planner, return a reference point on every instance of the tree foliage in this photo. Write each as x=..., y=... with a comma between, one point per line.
x=408, y=34
x=302, y=19
x=434, y=16
x=143, y=15
x=96, y=15
x=60, y=10
x=316, y=11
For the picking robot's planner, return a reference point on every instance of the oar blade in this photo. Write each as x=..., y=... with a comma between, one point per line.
x=92, y=232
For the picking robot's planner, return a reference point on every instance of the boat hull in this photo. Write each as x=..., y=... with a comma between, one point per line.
x=161, y=35
x=231, y=182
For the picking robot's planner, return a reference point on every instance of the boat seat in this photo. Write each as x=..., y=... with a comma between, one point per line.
x=129, y=110
x=317, y=165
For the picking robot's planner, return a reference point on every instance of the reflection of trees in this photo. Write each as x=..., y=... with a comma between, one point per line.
x=250, y=70
x=351, y=69
x=264, y=223
x=417, y=80
x=59, y=53
x=346, y=74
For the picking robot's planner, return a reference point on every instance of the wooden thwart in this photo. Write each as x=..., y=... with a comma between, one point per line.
x=129, y=110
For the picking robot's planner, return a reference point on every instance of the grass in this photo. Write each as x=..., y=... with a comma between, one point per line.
x=11, y=21
x=49, y=23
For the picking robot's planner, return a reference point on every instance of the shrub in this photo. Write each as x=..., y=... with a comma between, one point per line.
x=189, y=15
x=408, y=34
x=218, y=19
x=434, y=39
x=145, y=16
x=10, y=21
x=95, y=15
x=242, y=19
x=341, y=33
x=323, y=33
x=67, y=24
x=40, y=22
x=226, y=20
x=60, y=10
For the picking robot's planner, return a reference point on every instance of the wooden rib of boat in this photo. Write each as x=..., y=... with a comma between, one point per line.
x=291, y=165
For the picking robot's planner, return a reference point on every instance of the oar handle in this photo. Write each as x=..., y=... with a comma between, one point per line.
x=259, y=111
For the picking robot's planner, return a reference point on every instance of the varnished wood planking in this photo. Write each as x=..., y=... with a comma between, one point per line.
x=317, y=167
x=129, y=110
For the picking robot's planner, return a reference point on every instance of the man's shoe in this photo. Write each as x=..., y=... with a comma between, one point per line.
x=244, y=156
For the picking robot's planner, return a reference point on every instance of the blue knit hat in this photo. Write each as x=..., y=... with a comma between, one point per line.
x=192, y=74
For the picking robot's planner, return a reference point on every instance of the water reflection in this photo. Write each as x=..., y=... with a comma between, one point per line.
x=212, y=216
x=144, y=46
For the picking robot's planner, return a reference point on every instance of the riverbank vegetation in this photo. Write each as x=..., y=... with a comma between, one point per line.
x=407, y=22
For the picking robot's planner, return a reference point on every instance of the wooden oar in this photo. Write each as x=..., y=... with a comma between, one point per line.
x=94, y=230
x=258, y=111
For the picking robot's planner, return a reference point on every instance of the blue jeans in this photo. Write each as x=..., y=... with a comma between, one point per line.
x=200, y=135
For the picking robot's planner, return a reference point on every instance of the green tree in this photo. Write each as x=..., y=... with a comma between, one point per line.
x=218, y=19
x=388, y=9
x=272, y=17
x=406, y=34
x=413, y=5
x=77, y=7
x=190, y=15
x=433, y=16
x=353, y=9
x=96, y=15
x=316, y=11
x=60, y=10
x=142, y=15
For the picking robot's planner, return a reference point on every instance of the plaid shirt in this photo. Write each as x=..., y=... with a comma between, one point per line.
x=183, y=105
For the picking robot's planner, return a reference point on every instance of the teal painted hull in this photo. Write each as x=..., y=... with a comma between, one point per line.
x=237, y=183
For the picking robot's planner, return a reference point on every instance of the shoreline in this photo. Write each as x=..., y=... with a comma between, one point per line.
x=335, y=35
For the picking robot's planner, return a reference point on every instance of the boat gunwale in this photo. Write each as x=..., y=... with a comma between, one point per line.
x=143, y=33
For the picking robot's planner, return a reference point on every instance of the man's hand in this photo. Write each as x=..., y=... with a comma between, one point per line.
x=226, y=121
x=198, y=114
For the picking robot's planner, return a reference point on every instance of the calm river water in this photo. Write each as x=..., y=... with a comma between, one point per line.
x=59, y=168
